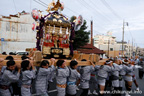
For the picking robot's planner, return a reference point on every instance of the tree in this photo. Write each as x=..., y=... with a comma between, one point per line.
x=81, y=36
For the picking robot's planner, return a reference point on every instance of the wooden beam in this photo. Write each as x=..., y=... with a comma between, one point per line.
x=14, y=56
x=37, y=63
x=91, y=57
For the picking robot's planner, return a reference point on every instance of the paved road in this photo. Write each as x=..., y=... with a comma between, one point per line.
x=53, y=91
x=140, y=83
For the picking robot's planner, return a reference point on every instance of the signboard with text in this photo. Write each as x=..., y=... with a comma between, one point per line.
x=2, y=39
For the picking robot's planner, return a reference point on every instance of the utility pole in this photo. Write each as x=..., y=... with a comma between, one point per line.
x=91, y=32
x=132, y=46
x=123, y=37
x=129, y=48
x=134, y=50
x=108, y=47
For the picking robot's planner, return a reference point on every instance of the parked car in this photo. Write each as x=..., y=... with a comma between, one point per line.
x=21, y=53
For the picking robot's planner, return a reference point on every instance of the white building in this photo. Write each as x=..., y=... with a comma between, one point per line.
x=16, y=32
x=140, y=51
x=103, y=42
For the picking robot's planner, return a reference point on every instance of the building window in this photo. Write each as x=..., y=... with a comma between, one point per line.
x=111, y=49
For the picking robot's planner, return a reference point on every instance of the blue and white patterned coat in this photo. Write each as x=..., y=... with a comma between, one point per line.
x=7, y=78
x=42, y=80
x=85, y=76
x=27, y=77
x=71, y=82
x=61, y=79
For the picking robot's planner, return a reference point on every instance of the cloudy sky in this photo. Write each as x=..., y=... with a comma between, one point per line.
x=107, y=15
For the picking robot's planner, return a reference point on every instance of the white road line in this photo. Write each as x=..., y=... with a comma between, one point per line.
x=52, y=91
x=48, y=92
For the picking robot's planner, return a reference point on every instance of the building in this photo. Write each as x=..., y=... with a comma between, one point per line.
x=16, y=32
x=90, y=49
x=140, y=51
x=104, y=40
x=111, y=47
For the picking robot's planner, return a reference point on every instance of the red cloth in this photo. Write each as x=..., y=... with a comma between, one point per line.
x=48, y=44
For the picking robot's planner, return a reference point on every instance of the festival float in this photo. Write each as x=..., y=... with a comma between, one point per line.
x=55, y=36
x=55, y=33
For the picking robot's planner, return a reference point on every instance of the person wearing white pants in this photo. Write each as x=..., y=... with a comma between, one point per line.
x=115, y=76
x=128, y=77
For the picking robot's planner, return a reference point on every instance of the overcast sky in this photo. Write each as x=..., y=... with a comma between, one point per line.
x=107, y=15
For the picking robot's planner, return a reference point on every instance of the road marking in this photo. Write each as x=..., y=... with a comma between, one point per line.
x=48, y=92
x=52, y=91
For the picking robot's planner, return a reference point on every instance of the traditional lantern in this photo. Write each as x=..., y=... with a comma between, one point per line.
x=79, y=23
x=35, y=14
x=80, y=20
x=65, y=37
x=48, y=37
x=33, y=26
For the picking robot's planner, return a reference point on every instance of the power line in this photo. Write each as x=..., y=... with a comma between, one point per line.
x=67, y=8
x=44, y=5
x=95, y=5
x=15, y=6
x=78, y=14
x=40, y=3
x=133, y=39
x=108, y=6
x=99, y=27
x=130, y=32
x=85, y=17
x=30, y=4
x=81, y=2
x=97, y=11
x=72, y=10
x=93, y=9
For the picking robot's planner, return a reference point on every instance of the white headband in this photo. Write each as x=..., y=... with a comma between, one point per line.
x=125, y=62
x=108, y=62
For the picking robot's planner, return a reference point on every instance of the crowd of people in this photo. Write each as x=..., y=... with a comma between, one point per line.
x=19, y=80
